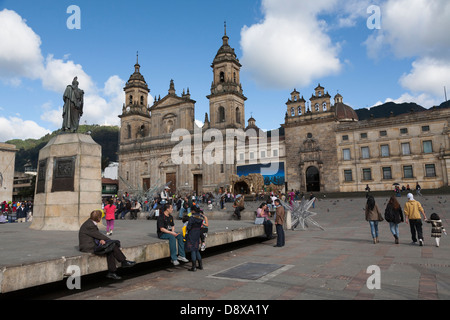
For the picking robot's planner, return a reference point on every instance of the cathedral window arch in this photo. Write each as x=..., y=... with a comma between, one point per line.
x=324, y=106
x=238, y=115
x=316, y=107
x=128, y=131
x=299, y=109
x=221, y=114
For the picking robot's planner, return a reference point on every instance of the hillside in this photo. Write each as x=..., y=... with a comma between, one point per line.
x=107, y=137
x=385, y=110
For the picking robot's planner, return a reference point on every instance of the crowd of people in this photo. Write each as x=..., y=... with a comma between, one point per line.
x=13, y=211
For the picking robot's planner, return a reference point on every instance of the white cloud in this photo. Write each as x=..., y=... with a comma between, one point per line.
x=290, y=46
x=16, y=128
x=423, y=100
x=428, y=75
x=21, y=57
x=419, y=30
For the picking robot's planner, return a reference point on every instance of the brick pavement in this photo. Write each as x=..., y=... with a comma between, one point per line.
x=320, y=265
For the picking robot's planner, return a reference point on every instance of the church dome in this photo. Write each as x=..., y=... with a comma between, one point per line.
x=345, y=112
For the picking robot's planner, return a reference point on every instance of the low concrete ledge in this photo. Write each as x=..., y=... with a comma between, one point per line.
x=30, y=274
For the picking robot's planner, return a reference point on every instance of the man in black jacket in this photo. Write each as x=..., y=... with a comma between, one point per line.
x=90, y=237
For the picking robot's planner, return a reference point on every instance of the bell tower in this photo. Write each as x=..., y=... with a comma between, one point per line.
x=226, y=101
x=135, y=117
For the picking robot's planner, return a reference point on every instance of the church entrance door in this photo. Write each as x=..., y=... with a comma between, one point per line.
x=312, y=179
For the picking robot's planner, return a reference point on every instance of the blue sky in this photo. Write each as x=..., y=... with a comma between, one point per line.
x=282, y=45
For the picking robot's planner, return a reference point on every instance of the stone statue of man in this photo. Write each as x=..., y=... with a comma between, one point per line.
x=73, y=107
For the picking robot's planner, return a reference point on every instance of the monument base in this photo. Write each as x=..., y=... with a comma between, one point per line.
x=68, y=184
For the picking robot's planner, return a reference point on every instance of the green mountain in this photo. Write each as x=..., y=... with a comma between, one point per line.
x=107, y=137
x=384, y=110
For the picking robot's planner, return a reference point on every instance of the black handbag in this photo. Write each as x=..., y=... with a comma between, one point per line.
x=102, y=249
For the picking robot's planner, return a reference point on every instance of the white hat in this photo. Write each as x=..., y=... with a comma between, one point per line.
x=410, y=196
x=166, y=187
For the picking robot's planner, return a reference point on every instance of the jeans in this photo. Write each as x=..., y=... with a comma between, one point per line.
x=182, y=210
x=374, y=228
x=394, y=228
x=195, y=255
x=173, y=245
x=416, y=225
x=280, y=235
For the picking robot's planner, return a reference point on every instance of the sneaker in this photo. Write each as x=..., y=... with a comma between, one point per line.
x=175, y=262
x=182, y=259
x=203, y=247
x=421, y=242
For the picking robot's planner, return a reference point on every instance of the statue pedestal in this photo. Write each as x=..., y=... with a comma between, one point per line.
x=68, y=184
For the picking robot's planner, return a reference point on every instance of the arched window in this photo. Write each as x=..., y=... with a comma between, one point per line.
x=131, y=99
x=221, y=114
x=292, y=112
x=142, y=100
x=299, y=110
x=222, y=77
x=238, y=115
x=128, y=131
x=324, y=106
x=316, y=107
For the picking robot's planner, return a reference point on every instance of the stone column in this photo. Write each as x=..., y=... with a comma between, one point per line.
x=68, y=184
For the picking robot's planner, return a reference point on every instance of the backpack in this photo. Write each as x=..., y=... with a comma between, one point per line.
x=389, y=214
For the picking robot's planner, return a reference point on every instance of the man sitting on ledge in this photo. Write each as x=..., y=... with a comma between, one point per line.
x=165, y=229
x=90, y=239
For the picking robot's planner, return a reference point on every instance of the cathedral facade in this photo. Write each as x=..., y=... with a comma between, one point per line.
x=322, y=146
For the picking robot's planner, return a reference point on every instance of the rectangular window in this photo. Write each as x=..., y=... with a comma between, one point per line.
x=385, y=150
x=275, y=152
x=425, y=128
x=348, y=176
x=404, y=131
x=241, y=157
x=428, y=146
x=365, y=153
x=364, y=135
x=405, y=149
x=347, y=155
x=367, y=174
x=345, y=138
x=408, y=172
x=430, y=170
x=263, y=154
x=383, y=133
x=387, y=173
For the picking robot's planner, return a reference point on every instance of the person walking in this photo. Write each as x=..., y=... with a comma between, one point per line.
x=22, y=213
x=193, y=232
x=413, y=209
x=436, y=227
x=394, y=215
x=418, y=188
x=165, y=230
x=373, y=215
x=110, y=210
x=279, y=223
x=90, y=239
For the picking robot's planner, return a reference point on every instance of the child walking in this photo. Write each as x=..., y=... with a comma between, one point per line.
x=110, y=210
x=436, y=227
